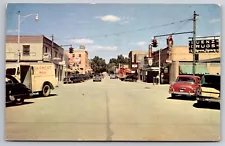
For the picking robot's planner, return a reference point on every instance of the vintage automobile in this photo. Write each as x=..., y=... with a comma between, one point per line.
x=186, y=85
x=97, y=78
x=113, y=76
x=16, y=92
x=131, y=78
x=210, y=89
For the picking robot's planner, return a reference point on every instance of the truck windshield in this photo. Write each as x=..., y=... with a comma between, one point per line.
x=210, y=79
x=11, y=71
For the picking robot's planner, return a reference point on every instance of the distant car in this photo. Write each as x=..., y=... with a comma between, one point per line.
x=73, y=79
x=187, y=85
x=67, y=80
x=131, y=78
x=16, y=92
x=113, y=76
x=210, y=89
x=97, y=78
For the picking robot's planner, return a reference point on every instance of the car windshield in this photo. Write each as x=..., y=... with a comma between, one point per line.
x=11, y=79
x=185, y=79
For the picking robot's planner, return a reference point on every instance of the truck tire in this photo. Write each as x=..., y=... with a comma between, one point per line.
x=46, y=90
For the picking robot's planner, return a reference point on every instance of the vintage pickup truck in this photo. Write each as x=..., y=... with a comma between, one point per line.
x=210, y=89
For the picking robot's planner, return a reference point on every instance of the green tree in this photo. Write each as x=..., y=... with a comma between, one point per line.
x=98, y=64
x=110, y=67
x=122, y=59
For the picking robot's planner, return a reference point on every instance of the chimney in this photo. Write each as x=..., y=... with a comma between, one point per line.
x=150, y=51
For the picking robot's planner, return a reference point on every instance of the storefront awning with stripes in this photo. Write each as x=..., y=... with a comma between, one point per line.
x=188, y=69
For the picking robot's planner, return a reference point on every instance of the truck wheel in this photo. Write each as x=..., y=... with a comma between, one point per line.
x=46, y=90
x=201, y=103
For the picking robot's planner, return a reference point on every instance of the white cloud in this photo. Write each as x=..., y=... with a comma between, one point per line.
x=110, y=18
x=11, y=30
x=214, y=20
x=141, y=43
x=101, y=48
x=81, y=41
x=125, y=55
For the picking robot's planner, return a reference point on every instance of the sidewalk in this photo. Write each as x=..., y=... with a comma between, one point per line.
x=164, y=85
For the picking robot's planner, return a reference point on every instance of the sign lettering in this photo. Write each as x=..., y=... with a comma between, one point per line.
x=205, y=46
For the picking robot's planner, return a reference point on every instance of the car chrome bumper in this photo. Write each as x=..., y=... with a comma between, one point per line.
x=182, y=93
x=209, y=99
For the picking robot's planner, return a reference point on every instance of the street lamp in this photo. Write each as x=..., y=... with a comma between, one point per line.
x=19, y=21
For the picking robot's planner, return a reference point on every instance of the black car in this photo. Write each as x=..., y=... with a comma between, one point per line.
x=16, y=92
x=131, y=78
x=72, y=79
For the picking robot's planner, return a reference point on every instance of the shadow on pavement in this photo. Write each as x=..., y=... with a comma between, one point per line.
x=183, y=98
x=215, y=106
x=38, y=96
x=10, y=104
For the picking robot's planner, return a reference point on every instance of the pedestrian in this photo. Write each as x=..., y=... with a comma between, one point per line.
x=157, y=79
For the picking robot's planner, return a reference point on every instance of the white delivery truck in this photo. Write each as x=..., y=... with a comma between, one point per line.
x=39, y=77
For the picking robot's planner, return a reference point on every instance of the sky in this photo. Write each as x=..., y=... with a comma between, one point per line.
x=107, y=30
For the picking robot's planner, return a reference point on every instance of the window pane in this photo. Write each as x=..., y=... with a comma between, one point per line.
x=26, y=50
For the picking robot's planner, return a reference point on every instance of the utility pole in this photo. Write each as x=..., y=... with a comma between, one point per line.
x=194, y=41
x=52, y=36
x=159, y=65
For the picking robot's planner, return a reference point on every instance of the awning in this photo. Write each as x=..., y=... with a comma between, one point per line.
x=210, y=60
x=188, y=69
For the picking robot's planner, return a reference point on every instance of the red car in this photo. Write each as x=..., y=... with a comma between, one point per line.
x=185, y=85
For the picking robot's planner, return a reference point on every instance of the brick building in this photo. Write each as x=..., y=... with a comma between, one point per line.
x=78, y=61
x=136, y=60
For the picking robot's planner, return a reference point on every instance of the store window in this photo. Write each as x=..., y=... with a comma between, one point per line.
x=26, y=50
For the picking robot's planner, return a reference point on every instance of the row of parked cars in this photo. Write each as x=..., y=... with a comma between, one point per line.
x=77, y=78
x=205, y=89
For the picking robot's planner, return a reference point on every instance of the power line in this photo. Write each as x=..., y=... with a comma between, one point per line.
x=140, y=29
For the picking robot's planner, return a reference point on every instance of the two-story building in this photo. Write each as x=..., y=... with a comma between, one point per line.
x=35, y=48
x=78, y=61
x=136, y=60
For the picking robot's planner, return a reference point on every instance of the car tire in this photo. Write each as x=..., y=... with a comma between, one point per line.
x=18, y=100
x=46, y=90
x=173, y=95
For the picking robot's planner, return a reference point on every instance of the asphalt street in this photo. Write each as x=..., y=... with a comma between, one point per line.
x=111, y=110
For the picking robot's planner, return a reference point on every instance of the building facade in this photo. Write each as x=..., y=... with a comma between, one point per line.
x=136, y=58
x=78, y=61
x=35, y=49
x=178, y=60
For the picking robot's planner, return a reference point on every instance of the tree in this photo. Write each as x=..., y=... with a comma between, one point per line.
x=110, y=67
x=98, y=64
x=113, y=60
x=123, y=60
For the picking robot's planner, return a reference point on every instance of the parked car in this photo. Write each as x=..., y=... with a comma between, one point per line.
x=67, y=80
x=113, y=76
x=131, y=78
x=97, y=78
x=210, y=89
x=187, y=85
x=16, y=92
